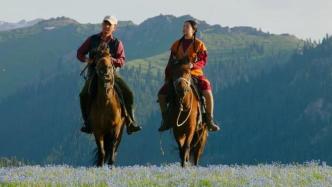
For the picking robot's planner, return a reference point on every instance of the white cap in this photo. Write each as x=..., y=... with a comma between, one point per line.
x=111, y=19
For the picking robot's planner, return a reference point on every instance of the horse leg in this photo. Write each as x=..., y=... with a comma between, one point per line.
x=195, y=149
x=112, y=155
x=101, y=150
x=180, y=141
x=185, y=152
x=108, y=146
x=119, y=139
x=184, y=149
x=186, y=146
x=115, y=144
x=200, y=145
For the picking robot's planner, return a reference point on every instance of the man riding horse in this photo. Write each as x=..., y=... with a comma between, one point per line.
x=193, y=49
x=116, y=50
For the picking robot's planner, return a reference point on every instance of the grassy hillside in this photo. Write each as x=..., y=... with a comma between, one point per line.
x=48, y=48
x=272, y=96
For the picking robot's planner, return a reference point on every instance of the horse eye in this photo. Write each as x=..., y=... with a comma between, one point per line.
x=101, y=71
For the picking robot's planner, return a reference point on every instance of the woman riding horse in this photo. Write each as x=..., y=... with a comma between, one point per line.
x=194, y=49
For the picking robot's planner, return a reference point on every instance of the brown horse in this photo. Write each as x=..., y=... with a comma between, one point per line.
x=106, y=115
x=184, y=115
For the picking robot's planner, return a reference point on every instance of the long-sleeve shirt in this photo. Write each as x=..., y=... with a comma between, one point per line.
x=118, y=60
x=198, y=58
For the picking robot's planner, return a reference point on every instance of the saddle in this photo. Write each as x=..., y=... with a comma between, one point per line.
x=202, y=104
x=93, y=90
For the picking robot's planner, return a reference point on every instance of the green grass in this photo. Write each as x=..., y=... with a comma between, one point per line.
x=311, y=174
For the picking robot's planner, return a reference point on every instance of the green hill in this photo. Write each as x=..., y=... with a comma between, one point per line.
x=49, y=47
x=272, y=93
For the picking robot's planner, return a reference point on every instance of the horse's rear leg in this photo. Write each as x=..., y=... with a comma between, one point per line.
x=101, y=151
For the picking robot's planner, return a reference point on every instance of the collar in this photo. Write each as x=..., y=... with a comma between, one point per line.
x=108, y=38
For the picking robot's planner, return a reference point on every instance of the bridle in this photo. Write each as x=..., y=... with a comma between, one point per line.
x=186, y=90
x=108, y=76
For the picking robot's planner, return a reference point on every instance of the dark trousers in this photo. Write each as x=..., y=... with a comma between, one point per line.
x=86, y=97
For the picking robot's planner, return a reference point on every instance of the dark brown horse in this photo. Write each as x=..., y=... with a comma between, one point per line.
x=184, y=115
x=106, y=115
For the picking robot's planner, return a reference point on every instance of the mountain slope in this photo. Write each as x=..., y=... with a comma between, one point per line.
x=5, y=26
x=281, y=115
x=284, y=115
x=49, y=47
x=40, y=107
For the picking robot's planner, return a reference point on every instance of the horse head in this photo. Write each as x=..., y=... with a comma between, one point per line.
x=105, y=69
x=181, y=76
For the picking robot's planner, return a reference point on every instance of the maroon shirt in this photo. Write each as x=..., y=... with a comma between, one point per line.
x=186, y=43
x=118, y=60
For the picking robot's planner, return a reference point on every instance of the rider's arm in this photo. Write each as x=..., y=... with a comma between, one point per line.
x=120, y=58
x=83, y=50
x=201, y=60
x=202, y=57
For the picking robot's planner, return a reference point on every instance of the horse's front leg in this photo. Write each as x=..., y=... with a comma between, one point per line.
x=180, y=139
x=115, y=144
x=188, y=140
x=185, y=152
x=101, y=150
x=112, y=158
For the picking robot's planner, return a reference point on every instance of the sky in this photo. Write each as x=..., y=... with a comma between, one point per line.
x=303, y=18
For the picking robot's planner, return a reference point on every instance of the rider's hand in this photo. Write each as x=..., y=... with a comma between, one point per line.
x=191, y=65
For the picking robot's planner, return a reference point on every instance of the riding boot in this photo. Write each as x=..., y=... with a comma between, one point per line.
x=86, y=128
x=132, y=126
x=211, y=125
x=164, y=123
x=128, y=102
x=86, y=125
x=162, y=100
x=85, y=102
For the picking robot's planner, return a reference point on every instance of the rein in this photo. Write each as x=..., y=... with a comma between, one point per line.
x=101, y=47
x=83, y=72
x=181, y=110
x=177, y=81
x=108, y=77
